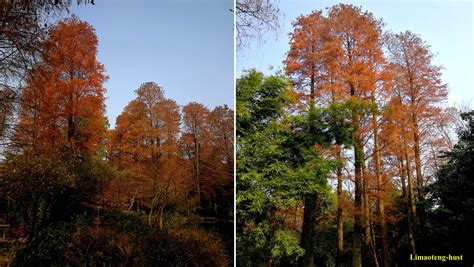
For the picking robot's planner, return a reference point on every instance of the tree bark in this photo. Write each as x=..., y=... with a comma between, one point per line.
x=160, y=217
x=198, y=180
x=381, y=191
x=419, y=176
x=340, y=217
x=358, y=158
x=372, y=246
x=308, y=230
x=366, y=204
x=411, y=202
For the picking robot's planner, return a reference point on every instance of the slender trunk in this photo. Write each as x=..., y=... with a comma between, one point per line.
x=340, y=218
x=419, y=176
x=366, y=204
x=369, y=242
x=411, y=199
x=310, y=207
x=198, y=181
x=407, y=207
x=340, y=215
x=402, y=178
x=150, y=216
x=381, y=193
x=358, y=190
x=411, y=202
x=358, y=157
x=372, y=246
x=160, y=217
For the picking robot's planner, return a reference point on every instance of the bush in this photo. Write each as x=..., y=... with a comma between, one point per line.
x=45, y=248
x=45, y=190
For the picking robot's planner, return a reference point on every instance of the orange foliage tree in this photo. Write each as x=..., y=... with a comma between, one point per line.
x=420, y=92
x=339, y=57
x=63, y=100
x=195, y=133
x=145, y=140
x=168, y=160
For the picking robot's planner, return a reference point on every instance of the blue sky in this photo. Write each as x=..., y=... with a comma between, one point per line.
x=186, y=46
x=447, y=26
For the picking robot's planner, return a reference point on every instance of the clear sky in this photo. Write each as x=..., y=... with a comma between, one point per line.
x=185, y=46
x=445, y=25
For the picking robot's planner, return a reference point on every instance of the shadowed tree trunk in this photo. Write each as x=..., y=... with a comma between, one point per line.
x=358, y=158
x=340, y=218
x=308, y=230
x=310, y=207
x=411, y=202
x=419, y=178
x=381, y=191
x=366, y=204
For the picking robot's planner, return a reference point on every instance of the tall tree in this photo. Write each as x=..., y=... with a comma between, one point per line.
x=422, y=90
x=25, y=25
x=194, y=122
x=358, y=34
x=305, y=64
x=338, y=58
x=63, y=101
x=145, y=141
x=22, y=32
x=262, y=237
x=219, y=159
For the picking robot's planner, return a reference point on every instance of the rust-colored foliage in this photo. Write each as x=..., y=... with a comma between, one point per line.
x=63, y=100
x=166, y=159
x=397, y=115
x=144, y=148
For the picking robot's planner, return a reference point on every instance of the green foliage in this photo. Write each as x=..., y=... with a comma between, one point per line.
x=259, y=100
x=277, y=165
x=286, y=246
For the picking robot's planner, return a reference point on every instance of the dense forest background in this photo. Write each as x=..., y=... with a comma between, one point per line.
x=351, y=156
x=157, y=190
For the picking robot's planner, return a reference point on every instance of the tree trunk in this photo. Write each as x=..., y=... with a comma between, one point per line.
x=340, y=218
x=150, y=216
x=372, y=246
x=381, y=191
x=402, y=177
x=366, y=204
x=71, y=128
x=411, y=199
x=198, y=180
x=358, y=158
x=419, y=176
x=310, y=207
x=308, y=230
x=160, y=217
x=411, y=203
